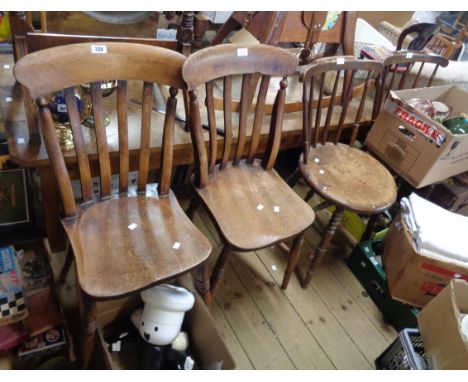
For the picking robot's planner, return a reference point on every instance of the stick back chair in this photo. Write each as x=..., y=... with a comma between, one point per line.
x=413, y=76
x=341, y=174
x=251, y=205
x=131, y=239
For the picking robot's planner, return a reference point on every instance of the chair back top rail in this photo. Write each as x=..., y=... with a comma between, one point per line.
x=402, y=57
x=234, y=59
x=58, y=69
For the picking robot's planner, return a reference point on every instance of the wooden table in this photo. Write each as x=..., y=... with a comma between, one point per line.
x=31, y=153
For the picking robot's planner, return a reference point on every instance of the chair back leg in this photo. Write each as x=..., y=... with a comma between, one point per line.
x=294, y=254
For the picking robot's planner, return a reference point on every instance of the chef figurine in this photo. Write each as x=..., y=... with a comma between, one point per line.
x=159, y=324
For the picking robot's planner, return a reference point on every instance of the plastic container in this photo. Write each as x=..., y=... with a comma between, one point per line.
x=405, y=353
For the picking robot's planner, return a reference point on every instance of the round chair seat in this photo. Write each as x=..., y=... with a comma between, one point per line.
x=349, y=177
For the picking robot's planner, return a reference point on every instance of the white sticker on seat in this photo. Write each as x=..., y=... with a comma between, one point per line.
x=242, y=52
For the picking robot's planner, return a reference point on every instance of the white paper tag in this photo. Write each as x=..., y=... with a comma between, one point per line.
x=321, y=172
x=6, y=66
x=176, y=245
x=242, y=52
x=260, y=207
x=166, y=34
x=20, y=141
x=132, y=226
x=276, y=209
x=99, y=49
x=409, y=55
x=62, y=108
x=316, y=160
x=340, y=61
x=8, y=99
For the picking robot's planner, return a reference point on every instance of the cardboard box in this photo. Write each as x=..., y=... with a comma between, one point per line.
x=439, y=323
x=416, y=147
x=414, y=278
x=206, y=344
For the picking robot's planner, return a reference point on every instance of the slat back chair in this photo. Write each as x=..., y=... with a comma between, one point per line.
x=413, y=74
x=121, y=242
x=235, y=190
x=229, y=64
x=341, y=174
x=344, y=70
x=34, y=42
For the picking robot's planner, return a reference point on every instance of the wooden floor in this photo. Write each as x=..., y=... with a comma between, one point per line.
x=333, y=324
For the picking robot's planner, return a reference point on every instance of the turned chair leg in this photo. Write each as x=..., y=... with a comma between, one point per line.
x=202, y=282
x=370, y=228
x=87, y=331
x=66, y=266
x=218, y=270
x=323, y=246
x=293, y=259
x=309, y=195
x=192, y=208
x=292, y=179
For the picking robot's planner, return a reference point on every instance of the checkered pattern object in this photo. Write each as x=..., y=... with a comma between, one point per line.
x=12, y=305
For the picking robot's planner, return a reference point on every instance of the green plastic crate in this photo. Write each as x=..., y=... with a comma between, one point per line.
x=365, y=265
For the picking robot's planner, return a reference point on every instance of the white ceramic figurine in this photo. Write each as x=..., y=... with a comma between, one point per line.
x=163, y=313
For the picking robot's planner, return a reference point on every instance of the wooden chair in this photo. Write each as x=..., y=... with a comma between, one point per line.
x=414, y=64
x=126, y=240
x=424, y=33
x=403, y=70
x=343, y=175
x=250, y=204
